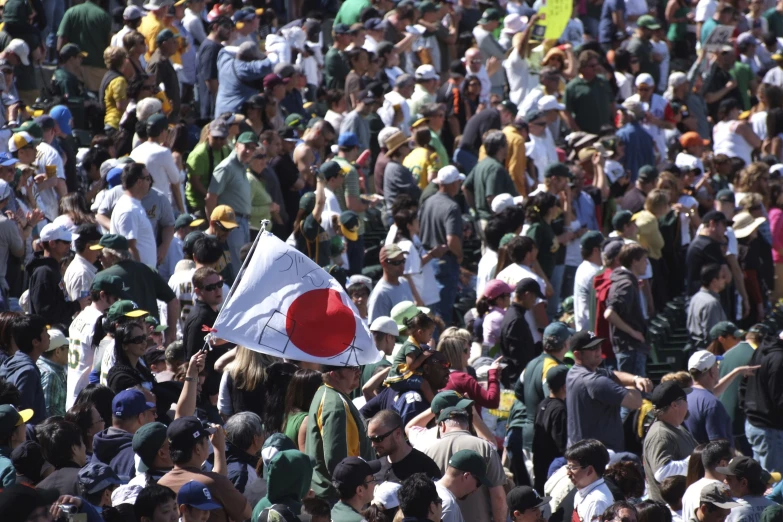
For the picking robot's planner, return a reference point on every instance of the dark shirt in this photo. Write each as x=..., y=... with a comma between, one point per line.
x=287, y=174
x=702, y=251
x=639, y=151
x=65, y=481
x=193, y=339
x=516, y=341
x=207, y=69
x=606, y=27
x=717, y=80
x=440, y=217
x=476, y=127
x=633, y=200
x=163, y=71
x=550, y=437
x=413, y=462
x=146, y=285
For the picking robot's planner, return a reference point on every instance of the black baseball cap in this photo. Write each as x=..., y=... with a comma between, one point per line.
x=584, y=341
x=667, y=393
x=522, y=498
x=742, y=467
x=714, y=215
x=352, y=472
x=529, y=285
x=185, y=431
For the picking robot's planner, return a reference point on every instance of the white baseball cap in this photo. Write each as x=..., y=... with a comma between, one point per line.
x=702, y=361
x=687, y=162
x=448, y=174
x=20, y=48
x=56, y=340
x=385, y=325
x=52, y=232
x=645, y=79
x=550, y=103
x=386, y=495
x=502, y=201
x=19, y=140
x=426, y=72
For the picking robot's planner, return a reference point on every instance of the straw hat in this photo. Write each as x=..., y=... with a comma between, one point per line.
x=395, y=141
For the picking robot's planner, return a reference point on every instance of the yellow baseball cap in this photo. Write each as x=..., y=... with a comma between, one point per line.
x=225, y=216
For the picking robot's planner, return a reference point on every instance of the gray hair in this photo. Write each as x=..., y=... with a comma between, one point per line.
x=494, y=140
x=242, y=427
x=122, y=255
x=460, y=421
x=248, y=51
x=553, y=343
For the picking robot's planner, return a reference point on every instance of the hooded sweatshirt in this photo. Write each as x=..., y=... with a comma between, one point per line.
x=288, y=481
x=21, y=371
x=114, y=447
x=48, y=297
x=625, y=300
x=761, y=394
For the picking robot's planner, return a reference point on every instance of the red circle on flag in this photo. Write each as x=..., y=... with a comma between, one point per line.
x=319, y=324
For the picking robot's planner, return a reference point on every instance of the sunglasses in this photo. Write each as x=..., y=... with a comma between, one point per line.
x=395, y=263
x=380, y=438
x=139, y=339
x=213, y=286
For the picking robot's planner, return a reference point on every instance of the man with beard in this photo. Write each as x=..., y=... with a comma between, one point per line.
x=467, y=471
x=398, y=459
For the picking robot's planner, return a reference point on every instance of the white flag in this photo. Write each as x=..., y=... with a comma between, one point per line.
x=287, y=306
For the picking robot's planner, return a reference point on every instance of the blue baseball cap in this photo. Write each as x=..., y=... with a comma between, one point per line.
x=197, y=495
x=559, y=331
x=6, y=160
x=96, y=477
x=348, y=139
x=114, y=177
x=62, y=115
x=129, y=403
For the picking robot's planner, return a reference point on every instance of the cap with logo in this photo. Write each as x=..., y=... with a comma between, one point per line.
x=743, y=467
x=289, y=135
x=155, y=325
x=405, y=310
x=702, y=361
x=295, y=121
x=147, y=441
x=667, y=393
x=6, y=160
x=648, y=22
x=449, y=399
x=248, y=138
x=125, y=308
x=471, y=462
x=529, y=284
x=183, y=433
x=224, y=215
x=11, y=418
x=197, y=495
x=183, y=220
x=352, y=472
x=332, y=169
x=97, y=476
x=522, y=498
x=32, y=128
x=113, y=241
x=585, y=341
x=129, y=403
x=490, y=15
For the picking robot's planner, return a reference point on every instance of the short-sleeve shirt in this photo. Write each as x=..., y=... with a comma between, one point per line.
x=130, y=220
x=593, y=404
x=664, y=444
x=702, y=251
x=413, y=462
x=542, y=233
x=440, y=217
x=201, y=163
x=155, y=203
x=590, y=103
x=160, y=164
x=230, y=185
x=475, y=128
x=707, y=417
x=88, y=26
x=81, y=352
x=116, y=91
x=488, y=178
x=384, y=296
x=146, y=287
x=222, y=490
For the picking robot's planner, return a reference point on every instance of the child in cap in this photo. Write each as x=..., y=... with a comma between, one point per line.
x=404, y=374
x=492, y=307
x=195, y=502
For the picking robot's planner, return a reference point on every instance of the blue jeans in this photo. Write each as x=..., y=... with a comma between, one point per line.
x=633, y=362
x=553, y=305
x=447, y=274
x=767, y=446
x=236, y=239
x=466, y=159
x=54, y=10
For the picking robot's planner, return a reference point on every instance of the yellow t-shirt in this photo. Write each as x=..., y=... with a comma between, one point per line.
x=423, y=164
x=116, y=91
x=150, y=27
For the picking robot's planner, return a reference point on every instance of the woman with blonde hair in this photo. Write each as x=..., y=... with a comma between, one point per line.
x=114, y=86
x=242, y=385
x=457, y=352
x=655, y=207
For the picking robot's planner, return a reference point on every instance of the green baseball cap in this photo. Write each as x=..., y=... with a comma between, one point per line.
x=307, y=202
x=111, y=284
x=471, y=462
x=11, y=418
x=592, y=239
x=406, y=310
x=295, y=121
x=556, y=376
x=449, y=399
x=559, y=331
x=428, y=7
x=451, y=412
x=155, y=324
x=247, y=138
x=32, y=128
x=184, y=220
x=621, y=218
x=648, y=22
x=724, y=328
x=125, y=308
x=332, y=169
x=147, y=441
x=113, y=241
x=491, y=15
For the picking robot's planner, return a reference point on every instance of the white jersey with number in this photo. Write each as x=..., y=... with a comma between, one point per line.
x=181, y=283
x=81, y=352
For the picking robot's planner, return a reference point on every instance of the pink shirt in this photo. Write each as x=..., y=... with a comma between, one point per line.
x=776, y=225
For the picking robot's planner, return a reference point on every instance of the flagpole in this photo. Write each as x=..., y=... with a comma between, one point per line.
x=262, y=230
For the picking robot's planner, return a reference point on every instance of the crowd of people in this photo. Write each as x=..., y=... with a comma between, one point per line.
x=567, y=249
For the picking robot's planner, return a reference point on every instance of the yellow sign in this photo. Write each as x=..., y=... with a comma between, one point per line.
x=558, y=12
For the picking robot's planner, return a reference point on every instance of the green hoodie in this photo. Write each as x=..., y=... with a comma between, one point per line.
x=288, y=481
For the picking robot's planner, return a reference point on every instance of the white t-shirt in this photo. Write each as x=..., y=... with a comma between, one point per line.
x=451, y=511
x=129, y=219
x=542, y=150
x=48, y=200
x=80, y=352
x=78, y=277
x=591, y=501
x=160, y=164
x=583, y=282
x=690, y=500
x=512, y=275
x=486, y=270
x=758, y=122
x=423, y=276
x=750, y=511
x=331, y=204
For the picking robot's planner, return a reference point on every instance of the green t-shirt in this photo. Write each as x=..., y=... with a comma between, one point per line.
x=488, y=178
x=590, y=103
x=742, y=73
x=230, y=184
x=351, y=11
x=89, y=27
x=71, y=88
x=775, y=21
x=145, y=286
x=544, y=236
x=202, y=162
x=738, y=356
x=335, y=70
